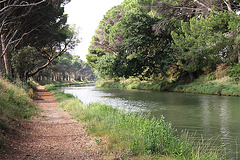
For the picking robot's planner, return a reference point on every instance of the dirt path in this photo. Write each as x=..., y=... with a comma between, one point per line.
x=53, y=135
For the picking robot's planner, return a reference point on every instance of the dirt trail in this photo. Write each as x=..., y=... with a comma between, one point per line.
x=53, y=135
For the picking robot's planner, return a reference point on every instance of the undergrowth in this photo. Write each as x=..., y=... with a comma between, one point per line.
x=15, y=105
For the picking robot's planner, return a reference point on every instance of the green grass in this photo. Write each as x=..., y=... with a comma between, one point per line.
x=225, y=86
x=133, y=135
x=203, y=85
x=15, y=105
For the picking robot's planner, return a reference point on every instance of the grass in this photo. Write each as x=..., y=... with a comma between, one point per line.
x=15, y=105
x=133, y=135
x=205, y=84
x=132, y=83
x=225, y=86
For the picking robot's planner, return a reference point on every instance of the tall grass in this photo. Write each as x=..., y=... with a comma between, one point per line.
x=15, y=105
x=134, y=134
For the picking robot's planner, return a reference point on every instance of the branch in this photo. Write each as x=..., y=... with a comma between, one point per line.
x=9, y=42
x=228, y=6
x=182, y=7
x=3, y=1
x=22, y=5
x=203, y=5
x=24, y=34
x=38, y=69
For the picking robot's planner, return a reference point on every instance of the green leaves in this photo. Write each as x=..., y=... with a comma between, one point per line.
x=105, y=66
x=202, y=42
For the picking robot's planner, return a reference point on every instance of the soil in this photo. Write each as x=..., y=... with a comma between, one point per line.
x=52, y=135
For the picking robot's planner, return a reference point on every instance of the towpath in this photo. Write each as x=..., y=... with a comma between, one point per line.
x=52, y=135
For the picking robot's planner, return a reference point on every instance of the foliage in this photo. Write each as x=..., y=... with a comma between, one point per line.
x=105, y=66
x=93, y=56
x=202, y=43
x=234, y=72
x=22, y=63
x=148, y=37
x=140, y=46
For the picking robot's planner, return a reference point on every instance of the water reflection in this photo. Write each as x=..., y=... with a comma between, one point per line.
x=212, y=117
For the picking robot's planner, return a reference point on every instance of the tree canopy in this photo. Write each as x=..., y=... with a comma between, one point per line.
x=144, y=38
x=38, y=26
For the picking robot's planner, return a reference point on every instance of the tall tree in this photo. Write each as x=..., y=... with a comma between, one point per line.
x=10, y=13
x=206, y=42
x=34, y=23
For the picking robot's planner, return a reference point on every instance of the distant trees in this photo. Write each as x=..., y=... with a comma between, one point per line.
x=66, y=68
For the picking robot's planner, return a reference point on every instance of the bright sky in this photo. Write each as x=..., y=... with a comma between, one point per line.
x=87, y=14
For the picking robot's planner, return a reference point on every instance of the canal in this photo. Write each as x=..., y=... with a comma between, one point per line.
x=215, y=118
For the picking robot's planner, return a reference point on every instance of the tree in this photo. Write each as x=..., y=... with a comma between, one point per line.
x=24, y=60
x=100, y=40
x=145, y=52
x=204, y=43
x=105, y=66
x=76, y=67
x=10, y=13
x=42, y=27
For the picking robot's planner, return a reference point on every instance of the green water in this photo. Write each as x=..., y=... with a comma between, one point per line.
x=215, y=118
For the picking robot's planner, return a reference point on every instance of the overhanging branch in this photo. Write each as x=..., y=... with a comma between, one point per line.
x=21, y=5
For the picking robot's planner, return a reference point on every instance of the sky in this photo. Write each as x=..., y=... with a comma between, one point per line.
x=87, y=14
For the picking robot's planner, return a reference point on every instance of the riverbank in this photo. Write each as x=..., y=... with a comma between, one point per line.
x=53, y=134
x=205, y=84
x=130, y=135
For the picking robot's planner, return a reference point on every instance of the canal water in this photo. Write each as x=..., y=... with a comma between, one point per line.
x=216, y=119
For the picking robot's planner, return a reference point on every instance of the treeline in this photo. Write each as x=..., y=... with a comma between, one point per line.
x=178, y=39
x=34, y=36
x=66, y=68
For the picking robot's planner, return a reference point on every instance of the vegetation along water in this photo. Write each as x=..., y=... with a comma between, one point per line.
x=213, y=118
x=167, y=45
x=133, y=134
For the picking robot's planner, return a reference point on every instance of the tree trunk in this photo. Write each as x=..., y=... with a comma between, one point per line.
x=5, y=56
x=238, y=56
x=192, y=77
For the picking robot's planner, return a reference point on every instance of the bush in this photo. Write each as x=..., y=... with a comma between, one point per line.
x=234, y=72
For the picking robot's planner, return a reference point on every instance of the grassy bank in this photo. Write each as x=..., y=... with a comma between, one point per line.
x=203, y=85
x=225, y=86
x=133, y=83
x=132, y=135
x=15, y=105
